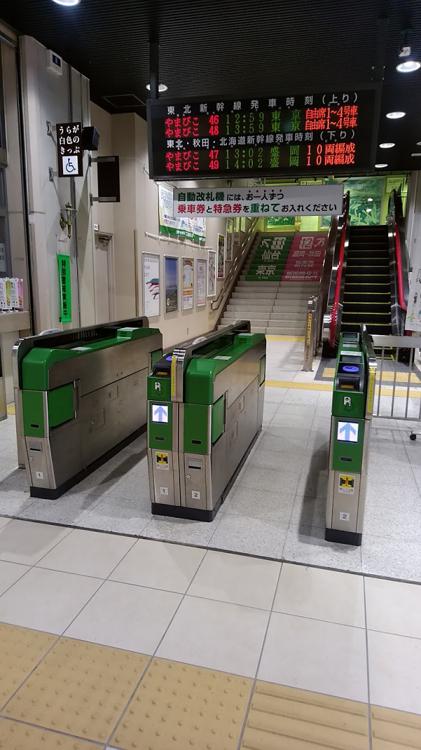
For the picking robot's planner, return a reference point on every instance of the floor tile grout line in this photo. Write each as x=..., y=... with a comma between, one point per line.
x=370, y=729
x=61, y=732
x=154, y=655
x=254, y=680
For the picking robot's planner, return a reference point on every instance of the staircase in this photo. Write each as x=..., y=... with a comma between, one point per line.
x=273, y=307
x=367, y=296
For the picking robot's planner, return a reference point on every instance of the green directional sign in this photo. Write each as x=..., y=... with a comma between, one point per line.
x=65, y=288
x=269, y=258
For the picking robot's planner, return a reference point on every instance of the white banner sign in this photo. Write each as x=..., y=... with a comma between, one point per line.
x=288, y=200
x=413, y=315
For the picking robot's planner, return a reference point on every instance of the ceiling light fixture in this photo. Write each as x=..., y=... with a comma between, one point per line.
x=386, y=145
x=161, y=88
x=418, y=143
x=417, y=153
x=409, y=66
x=370, y=200
x=67, y=3
x=380, y=166
x=395, y=115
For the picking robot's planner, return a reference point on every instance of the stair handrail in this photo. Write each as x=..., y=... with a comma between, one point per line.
x=236, y=266
x=333, y=308
x=399, y=262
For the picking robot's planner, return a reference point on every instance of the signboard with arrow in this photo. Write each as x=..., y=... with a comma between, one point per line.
x=348, y=432
x=159, y=413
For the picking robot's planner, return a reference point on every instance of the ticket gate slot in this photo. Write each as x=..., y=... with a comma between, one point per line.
x=349, y=438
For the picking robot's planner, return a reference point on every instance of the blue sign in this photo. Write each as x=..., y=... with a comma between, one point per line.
x=351, y=368
x=348, y=432
x=159, y=413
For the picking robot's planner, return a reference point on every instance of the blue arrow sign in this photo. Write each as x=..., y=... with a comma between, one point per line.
x=348, y=432
x=159, y=413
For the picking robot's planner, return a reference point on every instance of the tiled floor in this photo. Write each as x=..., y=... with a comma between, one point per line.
x=276, y=508
x=114, y=642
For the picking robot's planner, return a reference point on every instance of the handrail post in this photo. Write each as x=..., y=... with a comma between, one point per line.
x=310, y=335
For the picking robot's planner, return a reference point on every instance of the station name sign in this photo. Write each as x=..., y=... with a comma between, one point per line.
x=327, y=132
x=289, y=200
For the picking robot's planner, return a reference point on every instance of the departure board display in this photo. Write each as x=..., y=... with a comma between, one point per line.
x=327, y=132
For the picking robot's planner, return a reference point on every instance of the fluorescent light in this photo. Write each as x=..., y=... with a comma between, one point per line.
x=395, y=115
x=409, y=66
x=418, y=143
x=386, y=145
x=161, y=88
x=380, y=166
x=368, y=210
x=417, y=153
x=67, y=3
x=370, y=200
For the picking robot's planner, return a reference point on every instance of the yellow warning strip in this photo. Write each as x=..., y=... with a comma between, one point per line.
x=273, y=337
x=386, y=390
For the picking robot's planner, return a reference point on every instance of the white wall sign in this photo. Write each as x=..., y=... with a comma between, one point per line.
x=413, y=315
x=287, y=200
x=151, y=285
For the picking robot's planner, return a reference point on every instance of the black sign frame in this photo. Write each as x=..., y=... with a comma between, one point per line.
x=371, y=143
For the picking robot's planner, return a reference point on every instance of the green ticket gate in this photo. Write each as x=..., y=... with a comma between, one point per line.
x=80, y=396
x=352, y=408
x=205, y=411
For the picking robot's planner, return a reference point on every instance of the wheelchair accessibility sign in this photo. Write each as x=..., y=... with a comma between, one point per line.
x=69, y=149
x=70, y=165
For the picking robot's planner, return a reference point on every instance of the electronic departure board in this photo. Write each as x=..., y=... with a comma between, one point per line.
x=327, y=132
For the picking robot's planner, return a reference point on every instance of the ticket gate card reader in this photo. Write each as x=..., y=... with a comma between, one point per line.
x=352, y=406
x=80, y=396
x=205, y=411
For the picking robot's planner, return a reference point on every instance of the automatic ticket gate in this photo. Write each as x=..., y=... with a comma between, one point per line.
x=80, y=396
x=352, y=409
x=205, y=410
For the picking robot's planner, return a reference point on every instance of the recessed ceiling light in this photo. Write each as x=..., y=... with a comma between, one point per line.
x=380, y=166
x=161, y=88
x=418, y=143
x=395, y=115
x=370, y=200
x=408, y=67
x=386, y=145
x=67, y=3
x=368, y=210
x=417, y=153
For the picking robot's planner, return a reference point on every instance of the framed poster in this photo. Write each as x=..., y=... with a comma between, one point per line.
x=151, y=285
x=211, y=273
x=201, y=267
x=221, y=256
x=228, y=245
x=186, y=227
x=171, y=284
x=188, y=276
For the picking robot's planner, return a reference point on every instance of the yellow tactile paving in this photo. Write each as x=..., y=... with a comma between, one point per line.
x=395, y=730
x=180, y=707
x=279, y=337
x=20, y=651
x=79, y=688
x=15, y=736
x=283, y=718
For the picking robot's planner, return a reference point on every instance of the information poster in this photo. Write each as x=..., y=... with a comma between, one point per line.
x=413, y=316
x=171, y=284
x=201, y=268
x=186, y=227
x=221, y=256
x=270, y=258
x=151, y=285
x=277, y=222
x=65, y=288
x=228, y=246
x=211, y=273
x=305, y=259
x=188, y=276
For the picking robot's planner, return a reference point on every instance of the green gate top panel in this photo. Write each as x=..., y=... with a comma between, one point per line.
x=38, y=362
x=203, y=368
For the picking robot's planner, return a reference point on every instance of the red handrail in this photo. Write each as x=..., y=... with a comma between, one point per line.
x=398, y=253
x=336, y=300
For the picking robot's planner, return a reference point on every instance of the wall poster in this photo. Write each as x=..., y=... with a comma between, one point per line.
x=201, y=268
x=151, y=285
x=171, y=284
x=211, y=273
x=228, y=246
x=186, y=227
x=188, y=277
x=221, y=256
x=413, y=316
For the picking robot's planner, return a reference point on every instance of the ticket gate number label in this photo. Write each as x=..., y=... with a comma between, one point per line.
x=159, y=413
x=348, y=432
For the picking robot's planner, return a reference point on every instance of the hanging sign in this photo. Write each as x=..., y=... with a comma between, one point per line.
x=289, y=200
x=314, y=132
x=305, y=259
x=69, y=149
x=151, y=285
x=183, y=227
x=201, y=267
x=65, y=288
x=188, y=276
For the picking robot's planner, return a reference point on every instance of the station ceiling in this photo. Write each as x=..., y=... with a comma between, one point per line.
x=232, y=49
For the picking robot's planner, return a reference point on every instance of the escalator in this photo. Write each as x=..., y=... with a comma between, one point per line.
x=367, y=294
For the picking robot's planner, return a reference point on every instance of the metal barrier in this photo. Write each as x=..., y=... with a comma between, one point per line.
x=398, y=390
